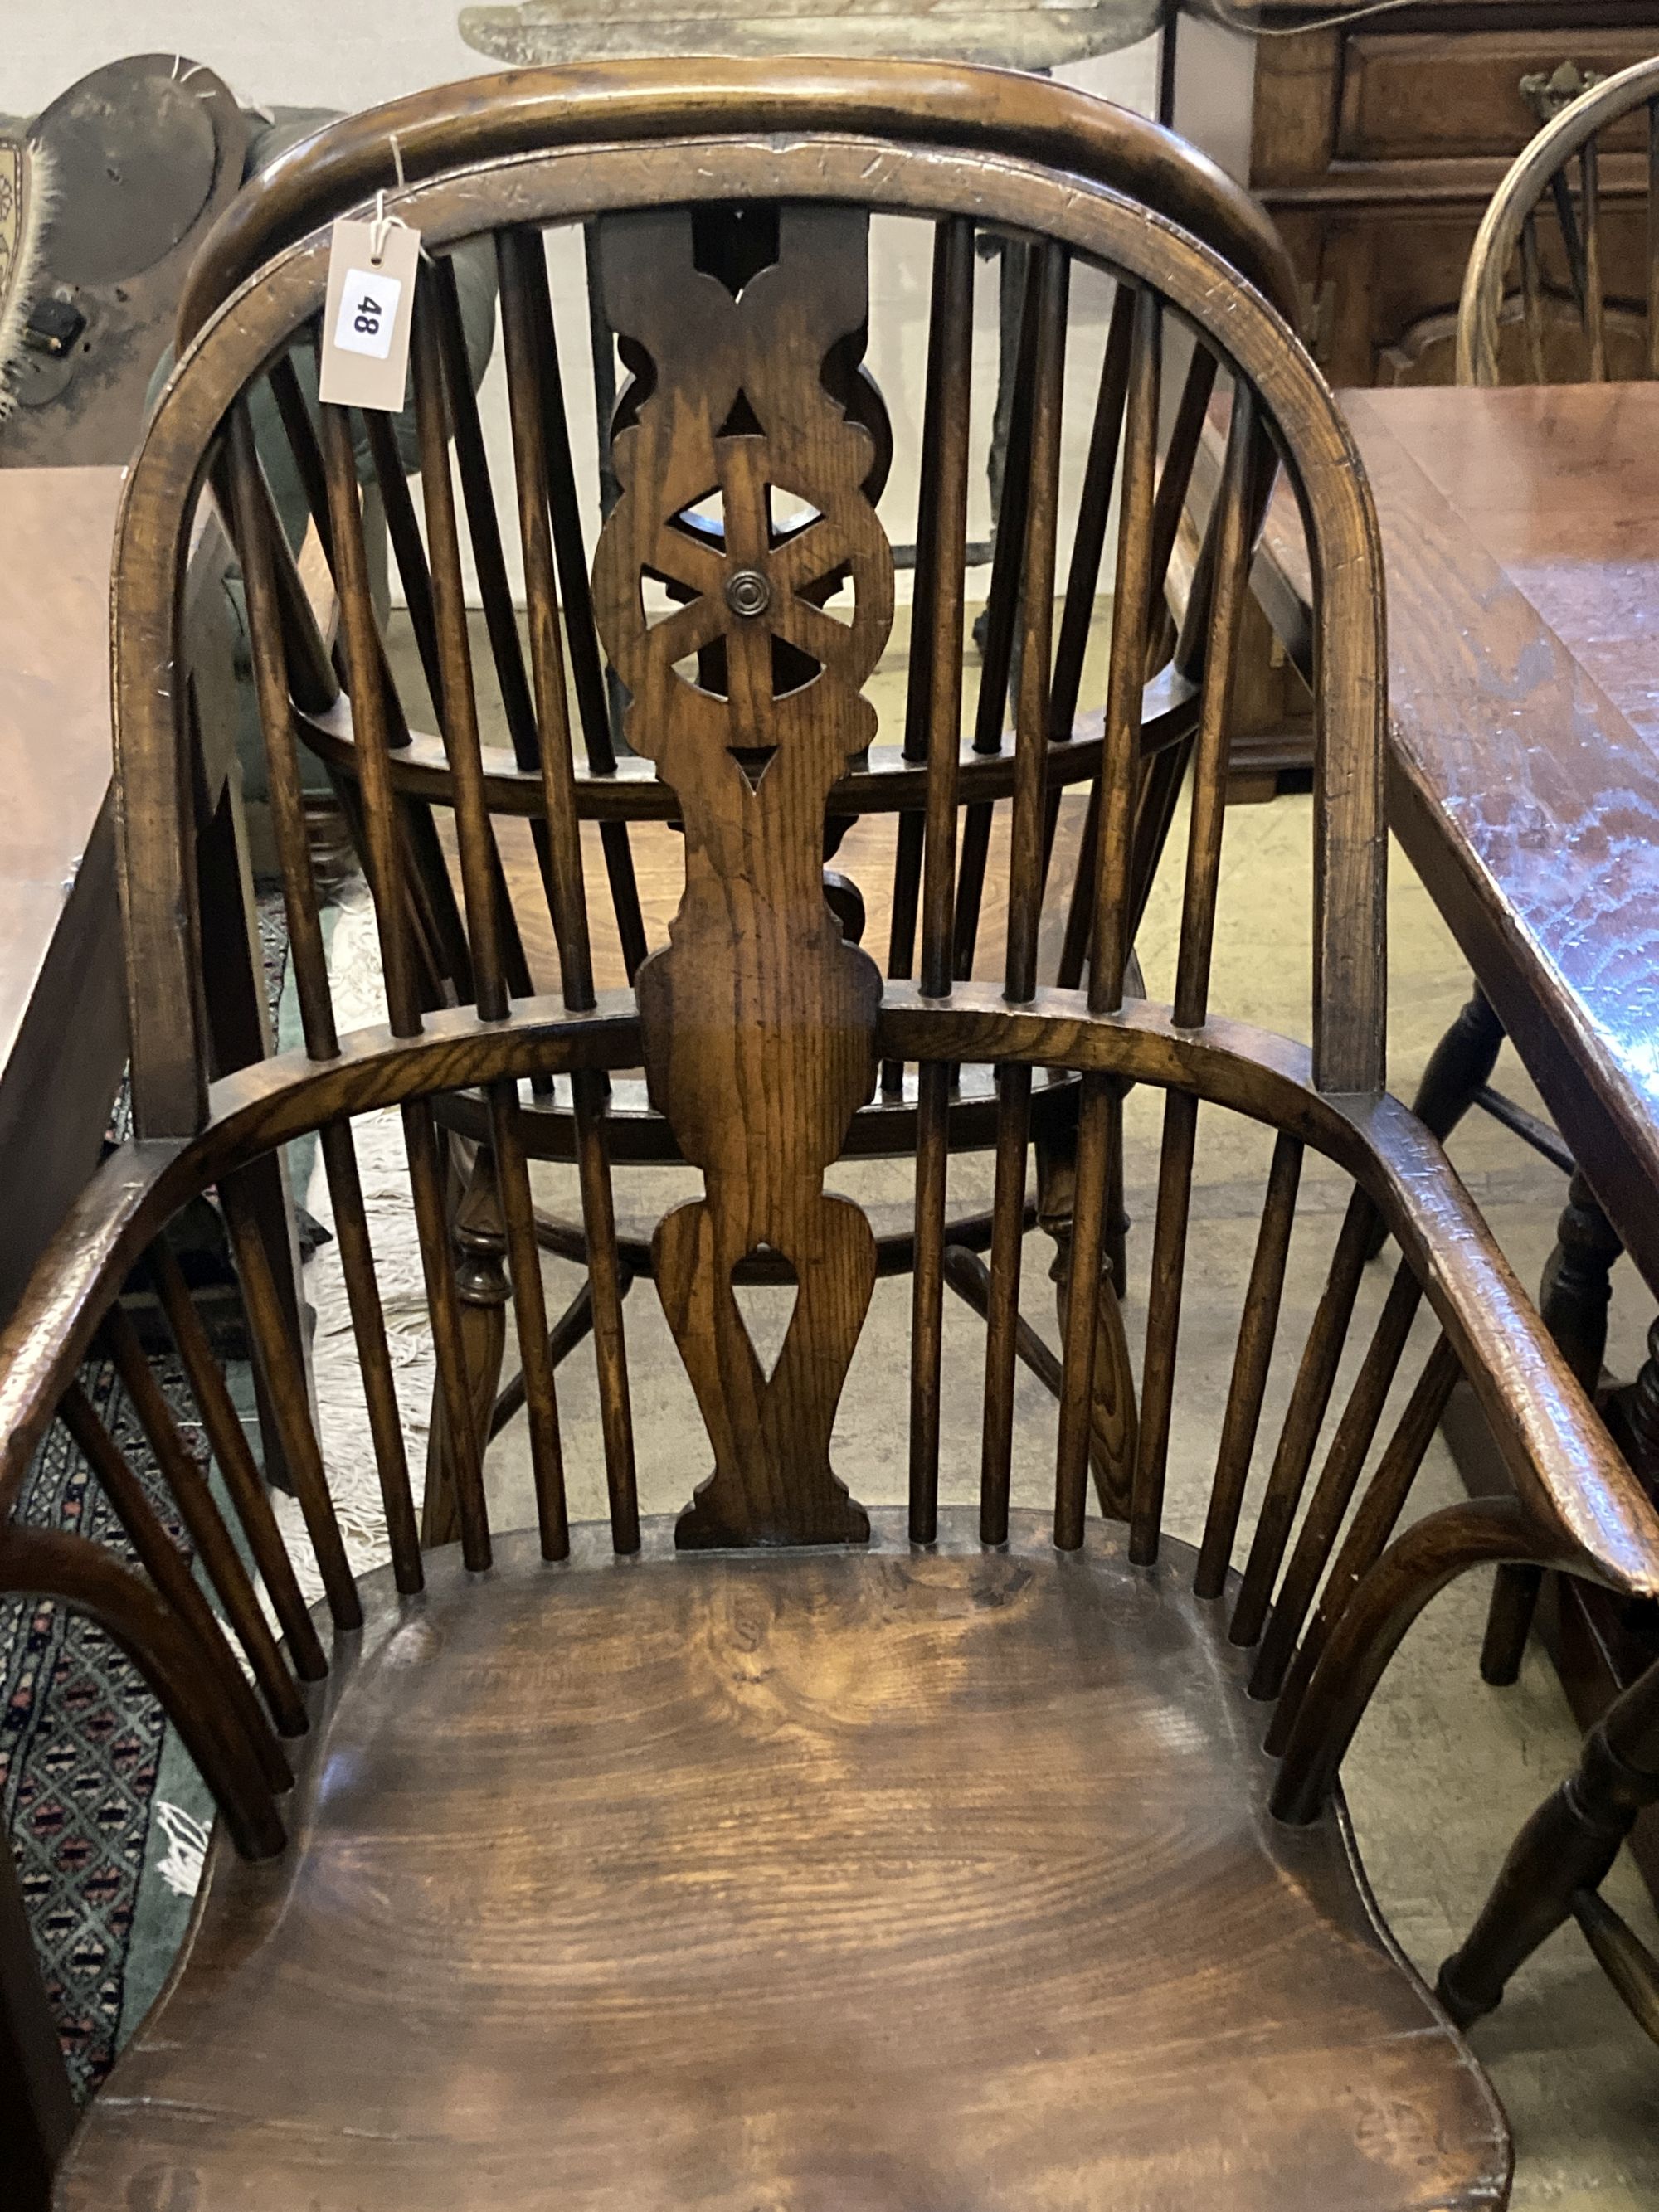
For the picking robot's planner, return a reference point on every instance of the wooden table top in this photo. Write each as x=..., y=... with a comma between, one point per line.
x=1521, y=541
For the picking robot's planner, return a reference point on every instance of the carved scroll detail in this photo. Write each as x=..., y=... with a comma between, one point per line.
x=743, y=500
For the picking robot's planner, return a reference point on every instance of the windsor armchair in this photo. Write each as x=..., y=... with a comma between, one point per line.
x=624, y=795
x=789, y=1850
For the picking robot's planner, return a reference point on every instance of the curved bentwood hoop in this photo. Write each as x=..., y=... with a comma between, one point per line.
x=742, y=590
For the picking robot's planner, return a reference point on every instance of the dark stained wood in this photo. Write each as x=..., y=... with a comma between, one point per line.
x=1523, y=786
x=35, y=2097
x=857, y=2013
x=734, y=1948
x=757, y=1068
x=1559, y=1861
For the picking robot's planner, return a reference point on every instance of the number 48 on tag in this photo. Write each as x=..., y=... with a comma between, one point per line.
x=368, y=313
x=366, y=322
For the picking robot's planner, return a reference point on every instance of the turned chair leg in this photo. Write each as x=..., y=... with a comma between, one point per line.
x=1113, y=1422
x=483, y=1290
x=1559, y=1861
x=1573, y=1299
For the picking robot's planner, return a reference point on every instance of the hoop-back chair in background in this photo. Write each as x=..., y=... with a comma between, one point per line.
x=787, y=1852
x=331, y=173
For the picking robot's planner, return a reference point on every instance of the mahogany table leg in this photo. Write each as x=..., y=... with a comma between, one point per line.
x=1573, y=1299
x=1562, y=1856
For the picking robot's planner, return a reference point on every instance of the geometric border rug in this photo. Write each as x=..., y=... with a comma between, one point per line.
x=101, y=1853
x=82, y=1741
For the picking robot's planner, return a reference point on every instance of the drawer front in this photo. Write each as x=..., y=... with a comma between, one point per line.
x=1436, y=97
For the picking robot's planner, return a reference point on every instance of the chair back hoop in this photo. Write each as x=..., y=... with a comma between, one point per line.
x=482, y=119
x=811, y=167
x=1506, y=224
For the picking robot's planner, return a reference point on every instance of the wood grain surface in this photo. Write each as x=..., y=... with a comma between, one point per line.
x=930, y=1873
x=823, y=1881
x=1519, y=529
x=758, y=1020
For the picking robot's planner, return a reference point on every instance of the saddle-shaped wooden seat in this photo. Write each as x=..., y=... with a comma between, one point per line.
x=785, y=1860
x=838, y=1882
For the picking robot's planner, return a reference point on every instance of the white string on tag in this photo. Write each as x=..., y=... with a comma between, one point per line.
x=383, y=223
x=373, y=263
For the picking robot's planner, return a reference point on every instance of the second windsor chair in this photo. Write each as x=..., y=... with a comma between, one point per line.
x=787, y=1852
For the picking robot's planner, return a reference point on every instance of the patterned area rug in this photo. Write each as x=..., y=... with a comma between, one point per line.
x=82, y=1742
x=105, y=1811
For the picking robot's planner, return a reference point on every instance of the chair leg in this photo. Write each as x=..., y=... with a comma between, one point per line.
x=1563, y=1853
x=573, y=1325
x=1113, y=1422
x=482, y=1286
x=1573, y=1299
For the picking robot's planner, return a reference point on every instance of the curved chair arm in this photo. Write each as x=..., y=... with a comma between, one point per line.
x=124, y=1202
x=1514, y=200
x=345, y=163
x=1569, y=1478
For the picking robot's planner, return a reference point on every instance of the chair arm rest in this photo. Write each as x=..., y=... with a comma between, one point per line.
x=1571, y=1478
x=124, y=1204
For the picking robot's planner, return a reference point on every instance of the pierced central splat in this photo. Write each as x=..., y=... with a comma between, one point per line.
x=744, y=504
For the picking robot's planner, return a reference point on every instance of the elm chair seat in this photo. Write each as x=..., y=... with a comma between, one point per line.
x=815, y=1880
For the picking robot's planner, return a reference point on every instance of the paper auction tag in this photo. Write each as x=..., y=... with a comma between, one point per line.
x=367, y=319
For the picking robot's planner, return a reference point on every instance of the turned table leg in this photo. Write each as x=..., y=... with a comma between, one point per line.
x=1573, y=1299
x=1559, y=1861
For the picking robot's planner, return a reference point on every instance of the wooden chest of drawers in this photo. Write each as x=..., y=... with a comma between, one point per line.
x=1376, y=145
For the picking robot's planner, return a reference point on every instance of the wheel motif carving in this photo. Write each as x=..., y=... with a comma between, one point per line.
x=743, y=589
